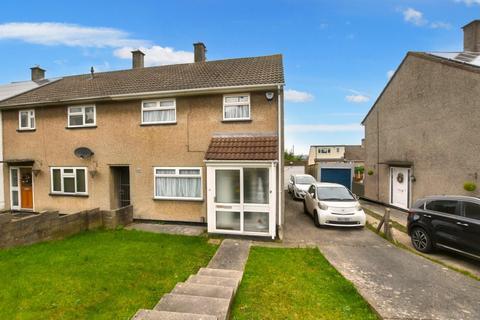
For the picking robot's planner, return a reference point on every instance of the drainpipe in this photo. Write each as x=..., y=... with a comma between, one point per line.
x=280, y=159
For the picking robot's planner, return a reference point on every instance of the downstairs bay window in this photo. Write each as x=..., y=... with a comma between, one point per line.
x=69, y=180
x=178, y=183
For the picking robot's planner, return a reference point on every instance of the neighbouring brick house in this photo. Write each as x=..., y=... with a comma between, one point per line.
x=421, y=135
x=196, y=142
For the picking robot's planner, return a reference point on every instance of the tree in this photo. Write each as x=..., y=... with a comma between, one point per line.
x=289, y=156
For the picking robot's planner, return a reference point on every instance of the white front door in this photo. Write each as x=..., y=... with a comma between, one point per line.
x=400, y=187
x=241, y=200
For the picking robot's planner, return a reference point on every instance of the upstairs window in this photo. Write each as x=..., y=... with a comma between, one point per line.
x=69, y=180
x=159, y=111
x=236, y=107
x=26, y=120
x=81, y=116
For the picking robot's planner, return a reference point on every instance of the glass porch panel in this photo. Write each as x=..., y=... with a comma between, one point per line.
x=14, y=181
x=256, y=185
x=227, y=220
x=255, y=221
x=15, y=198
x=227, y=186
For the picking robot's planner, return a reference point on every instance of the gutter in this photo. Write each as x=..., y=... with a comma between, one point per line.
x=147, y=95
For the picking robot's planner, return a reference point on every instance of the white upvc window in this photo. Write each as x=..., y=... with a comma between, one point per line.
x=82, y=116
x=159, y=111
x=178, y=183
x=236, y=107
x=69, y=180
x=26, y=120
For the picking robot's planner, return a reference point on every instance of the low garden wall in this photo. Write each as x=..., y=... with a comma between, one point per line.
x=50, y=225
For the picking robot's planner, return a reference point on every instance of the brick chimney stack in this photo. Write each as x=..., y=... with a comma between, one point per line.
x=199, y=52
x=471, y=36
x=37, y=73
x=137, y=59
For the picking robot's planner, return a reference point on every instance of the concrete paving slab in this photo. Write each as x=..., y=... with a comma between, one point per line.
x=215, y=281
x=144, y=314
x=204, y=290
x=234, y=274
x=195, y=304
x=185, y=230
x=397, y=283
x=231, y=255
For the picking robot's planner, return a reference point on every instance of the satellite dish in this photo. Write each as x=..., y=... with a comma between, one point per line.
x=83, y=153
x=269, y=95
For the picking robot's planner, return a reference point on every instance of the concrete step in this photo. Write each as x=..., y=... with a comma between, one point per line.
x=203, y=290
x=195, y=304
x=215, y=281
x=224, y=273
x=144, y=314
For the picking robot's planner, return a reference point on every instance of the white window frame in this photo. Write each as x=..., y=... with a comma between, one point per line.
x=177, y=175
x=30, y=117
x=226, y=104
x=70, y=175
x=159, y=108
x=83, y=113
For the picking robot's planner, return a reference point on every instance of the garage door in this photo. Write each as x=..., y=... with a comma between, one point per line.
x=341, y=176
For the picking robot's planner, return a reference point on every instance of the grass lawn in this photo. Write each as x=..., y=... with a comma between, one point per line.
x=296, y=284
x=96, y=275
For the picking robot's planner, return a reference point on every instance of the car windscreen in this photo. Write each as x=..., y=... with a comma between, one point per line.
x=304, y=180
x=334, y=194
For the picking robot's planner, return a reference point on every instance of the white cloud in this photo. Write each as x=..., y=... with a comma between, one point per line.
x=469, y=2
x=417, y=18
x=297, y=96
x=323, y=127
x=157, y=55
x=50, y=34
x=414, y=16
x=390, y=74
x=357, y=98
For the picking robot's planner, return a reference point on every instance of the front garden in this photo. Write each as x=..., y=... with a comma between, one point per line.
x=96, y=275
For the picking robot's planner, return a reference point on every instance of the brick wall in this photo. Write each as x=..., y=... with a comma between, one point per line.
x=50, y=225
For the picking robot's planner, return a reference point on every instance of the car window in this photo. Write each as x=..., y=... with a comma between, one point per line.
x=334, y=194
x=471, y=210
x=445, y=206
x=305, y=180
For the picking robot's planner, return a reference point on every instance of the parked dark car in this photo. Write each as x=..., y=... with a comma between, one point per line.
x=446, y=222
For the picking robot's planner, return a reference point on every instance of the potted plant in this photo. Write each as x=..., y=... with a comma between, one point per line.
x=470, y=186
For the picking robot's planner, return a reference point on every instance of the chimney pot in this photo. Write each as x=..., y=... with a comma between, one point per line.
x=471, y=36
x=37, y=73
x=137, y=59
x=199, y=52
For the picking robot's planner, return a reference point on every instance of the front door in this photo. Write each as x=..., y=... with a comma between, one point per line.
x=241, y=201
x=21, y=188
x=400, y=187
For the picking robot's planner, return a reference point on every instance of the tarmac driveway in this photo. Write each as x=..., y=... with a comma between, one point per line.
x=397, y=283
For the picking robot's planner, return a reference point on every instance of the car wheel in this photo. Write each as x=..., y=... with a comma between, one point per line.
x=421, y=240
x=315, y=220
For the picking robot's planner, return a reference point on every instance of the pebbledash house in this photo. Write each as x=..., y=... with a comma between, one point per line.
x=195, y=142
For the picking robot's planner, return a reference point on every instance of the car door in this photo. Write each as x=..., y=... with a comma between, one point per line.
x=443, y=216
x=310, y=199
x=470, y=223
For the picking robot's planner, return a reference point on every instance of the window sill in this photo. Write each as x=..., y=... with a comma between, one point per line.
x=26, y=130
x=237, y=120
x=82, y=127
x=68, y=195
x=158, y=124
x=177, y=199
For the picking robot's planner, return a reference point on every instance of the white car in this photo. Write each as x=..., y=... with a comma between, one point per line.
x=332, y=204
x=299, y=184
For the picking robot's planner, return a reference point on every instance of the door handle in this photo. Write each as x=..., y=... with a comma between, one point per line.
x=462, y=224
x=427, y=216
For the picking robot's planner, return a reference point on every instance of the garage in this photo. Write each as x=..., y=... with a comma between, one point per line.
x=341, y=176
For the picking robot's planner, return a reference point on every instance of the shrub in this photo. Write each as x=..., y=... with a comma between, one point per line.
x=359, y=169
x=469, y=186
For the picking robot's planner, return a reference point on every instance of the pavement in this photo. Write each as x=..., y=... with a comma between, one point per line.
x=449, y=258
x=397, y=283
x=186, y=230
